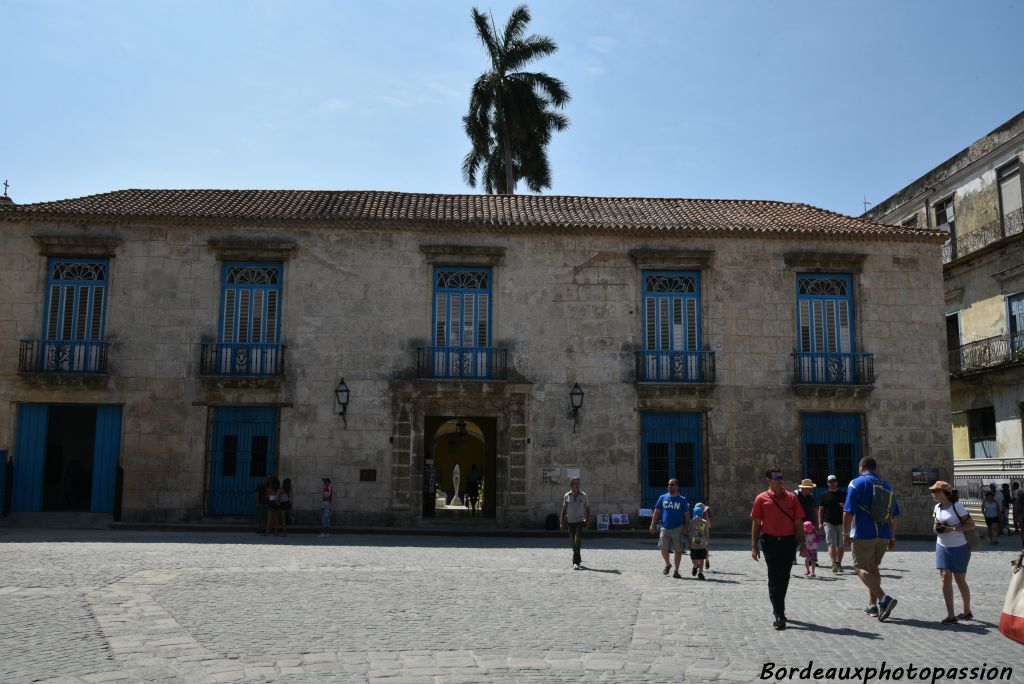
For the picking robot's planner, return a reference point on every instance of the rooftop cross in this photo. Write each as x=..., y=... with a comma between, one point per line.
x=5, y=187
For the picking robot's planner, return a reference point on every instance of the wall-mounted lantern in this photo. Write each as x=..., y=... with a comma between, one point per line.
x=575, y=404
x=341, y=394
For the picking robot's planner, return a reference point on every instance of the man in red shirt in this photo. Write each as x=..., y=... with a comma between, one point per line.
x=778, y=524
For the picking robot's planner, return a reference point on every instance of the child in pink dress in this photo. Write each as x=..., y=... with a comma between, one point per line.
x=812, y=540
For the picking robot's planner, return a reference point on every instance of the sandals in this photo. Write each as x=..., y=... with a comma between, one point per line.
x=965, y=616
x=949, y=621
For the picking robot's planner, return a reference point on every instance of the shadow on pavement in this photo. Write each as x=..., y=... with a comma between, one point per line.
x=609, y=572
x=840, y=631
x=958, y=628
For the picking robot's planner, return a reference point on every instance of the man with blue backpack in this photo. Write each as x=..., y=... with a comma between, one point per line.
x=869, y=521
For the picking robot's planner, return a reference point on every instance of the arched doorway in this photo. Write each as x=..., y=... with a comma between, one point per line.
x=466, y=446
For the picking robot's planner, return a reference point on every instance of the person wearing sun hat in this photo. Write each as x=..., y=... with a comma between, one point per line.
x=700, y=537
x=952, y=552
x=805, y=494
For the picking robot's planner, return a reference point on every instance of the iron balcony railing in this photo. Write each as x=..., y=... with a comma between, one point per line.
x=988, y=353
x=675, y=366
x=250, y=360
x=993, y=231
x=462, y=363
x=833, y=368
x=62, y=356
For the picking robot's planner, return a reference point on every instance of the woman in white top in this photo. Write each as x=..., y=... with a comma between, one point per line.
x=952, y=554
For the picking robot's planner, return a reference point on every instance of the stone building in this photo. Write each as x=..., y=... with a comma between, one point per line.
x=975, y=199
x=175, y=346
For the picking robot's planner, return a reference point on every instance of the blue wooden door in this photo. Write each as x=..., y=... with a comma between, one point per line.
x=106, y=457
x=29, y=458
x=243, y=447
x=3, y=481
x=671, y=447
x=831, y=446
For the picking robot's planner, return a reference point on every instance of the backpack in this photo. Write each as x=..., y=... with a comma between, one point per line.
x=698, y=532
x=882, y=501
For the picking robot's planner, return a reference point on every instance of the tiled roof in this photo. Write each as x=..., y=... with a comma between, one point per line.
x=504, y=213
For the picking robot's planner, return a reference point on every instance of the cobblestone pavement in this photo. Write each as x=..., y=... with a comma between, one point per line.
x=98, y=606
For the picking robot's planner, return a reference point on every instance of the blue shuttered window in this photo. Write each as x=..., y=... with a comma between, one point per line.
x=825, y=330
x=1015, y=308
x=250, y=323
x=671, y=447
x=75, y=312
x=462, y=323
x=671, y=327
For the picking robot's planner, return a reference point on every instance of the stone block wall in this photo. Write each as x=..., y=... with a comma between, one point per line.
x=357, y=301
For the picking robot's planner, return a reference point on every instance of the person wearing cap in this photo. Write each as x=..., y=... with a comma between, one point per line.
x=830, y=521
x=700, y=539
x=777, y=523
x=952, y=553
x=575, y=516
x=673, y=512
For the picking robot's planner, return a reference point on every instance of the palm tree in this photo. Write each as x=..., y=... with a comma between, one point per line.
x=511, y=112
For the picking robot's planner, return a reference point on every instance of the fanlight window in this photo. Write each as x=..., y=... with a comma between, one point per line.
x=462, y=280
x=670, y=283
x=253, y=275
x=74, y=270
x=826, y=287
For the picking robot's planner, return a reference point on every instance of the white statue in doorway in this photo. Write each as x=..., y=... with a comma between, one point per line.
x=456, y=501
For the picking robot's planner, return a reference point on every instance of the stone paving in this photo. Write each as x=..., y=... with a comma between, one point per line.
x=99, y=606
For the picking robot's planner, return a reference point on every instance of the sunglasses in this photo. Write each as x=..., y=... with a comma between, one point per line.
x=777, y=478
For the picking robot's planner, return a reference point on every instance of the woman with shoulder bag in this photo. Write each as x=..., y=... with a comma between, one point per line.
x=952, y=552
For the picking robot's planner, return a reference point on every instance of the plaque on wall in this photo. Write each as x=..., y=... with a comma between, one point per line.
x=549, y=475
x=924, y=476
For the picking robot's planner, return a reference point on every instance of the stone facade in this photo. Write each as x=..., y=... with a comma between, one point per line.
x=983, y=277
x=357, y=302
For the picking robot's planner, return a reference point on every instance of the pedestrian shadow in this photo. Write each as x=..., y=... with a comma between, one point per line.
x=607, y=572
x=836, y=631
x=709, y=579
x=958, y=628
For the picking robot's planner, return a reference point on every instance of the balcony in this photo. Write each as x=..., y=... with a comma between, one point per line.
x=987, y=354
x=682, y=367
x=462, y=363
x=241, y=360
x=993, y=231
x=70, y=357
x=828, y=368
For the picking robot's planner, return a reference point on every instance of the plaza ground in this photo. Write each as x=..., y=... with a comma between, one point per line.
x=101, y=605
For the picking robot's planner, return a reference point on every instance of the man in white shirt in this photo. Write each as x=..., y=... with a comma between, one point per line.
x=575, y=516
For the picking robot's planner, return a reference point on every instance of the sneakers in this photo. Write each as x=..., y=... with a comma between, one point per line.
x=700, y=575
x=807, y=572
x=872, y=610
x=835, y=568
x=839, y=569
x=885, y=606
x=676, y=575
x=780, y=622
x=812, y=574
x=667, y=568
x=694, y=571
x=575, y=566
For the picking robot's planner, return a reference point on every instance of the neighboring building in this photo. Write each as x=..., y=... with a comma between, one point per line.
x=975, y=198
x=175, y=346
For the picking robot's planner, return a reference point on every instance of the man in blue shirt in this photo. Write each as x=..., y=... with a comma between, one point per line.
x=673, y=511
x=870, y=539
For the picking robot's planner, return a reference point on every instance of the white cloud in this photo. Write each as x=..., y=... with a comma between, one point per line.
x=335, y=104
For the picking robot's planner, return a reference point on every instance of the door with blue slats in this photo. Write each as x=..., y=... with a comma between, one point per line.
x=29, y=458
x=105, y=459
x=831, y=445
x=243, y=449
x=671, y=447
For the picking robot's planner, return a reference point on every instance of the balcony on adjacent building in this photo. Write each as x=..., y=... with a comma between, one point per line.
x=462, y=363
x=241, y=360
x=833, y=368
x=71, y=357
x=988, y=354
x=993, y=231
x=682, y=367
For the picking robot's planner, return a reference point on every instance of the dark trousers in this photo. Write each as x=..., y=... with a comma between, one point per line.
x=779, y=553
x=576, y=540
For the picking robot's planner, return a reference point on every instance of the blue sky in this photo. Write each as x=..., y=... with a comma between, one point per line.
x=819, y=102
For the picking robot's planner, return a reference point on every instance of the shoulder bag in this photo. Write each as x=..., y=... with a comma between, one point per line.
x=1011, y=622
x=973, y=538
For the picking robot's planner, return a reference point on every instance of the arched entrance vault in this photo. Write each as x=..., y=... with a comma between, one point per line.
x=429, y=436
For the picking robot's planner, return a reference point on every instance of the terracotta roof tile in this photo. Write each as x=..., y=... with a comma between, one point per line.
x=482, y=212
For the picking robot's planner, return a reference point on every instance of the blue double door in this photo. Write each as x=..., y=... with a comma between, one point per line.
x=243, y=450
x=831, y=445
x=66, y=457
x=671, y=448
